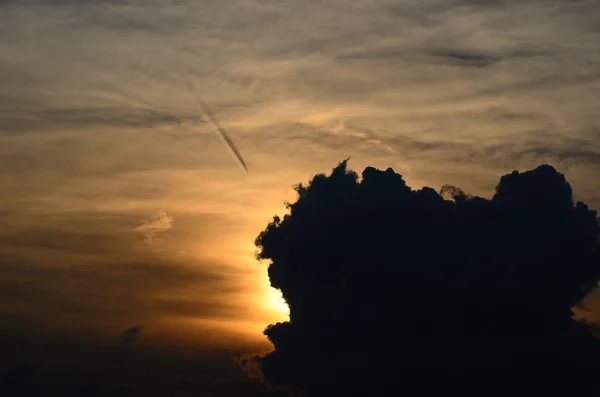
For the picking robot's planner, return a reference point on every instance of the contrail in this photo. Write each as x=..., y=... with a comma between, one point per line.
x=208, y=115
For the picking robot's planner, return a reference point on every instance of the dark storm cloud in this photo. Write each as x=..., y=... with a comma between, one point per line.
x=594, y=329
x=385, y=282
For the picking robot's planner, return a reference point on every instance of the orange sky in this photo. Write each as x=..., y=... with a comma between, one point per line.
x=121, y=207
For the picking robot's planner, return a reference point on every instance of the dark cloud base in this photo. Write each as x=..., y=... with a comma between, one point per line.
x=45, y=368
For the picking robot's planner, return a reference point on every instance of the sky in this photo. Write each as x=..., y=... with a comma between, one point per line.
x=121, y=207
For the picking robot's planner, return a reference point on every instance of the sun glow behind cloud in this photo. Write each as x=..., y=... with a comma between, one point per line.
x=103, y=139
x=259, y=305
x=269, y=303
x=249, y=303
x=276, y=303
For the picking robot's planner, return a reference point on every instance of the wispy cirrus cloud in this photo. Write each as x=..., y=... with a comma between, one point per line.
x=161, y=222
x=97, y=130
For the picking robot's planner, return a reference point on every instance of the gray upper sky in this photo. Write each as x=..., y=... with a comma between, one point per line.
x=118, y=200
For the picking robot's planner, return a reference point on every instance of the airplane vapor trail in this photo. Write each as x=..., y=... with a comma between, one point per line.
x=208, y=115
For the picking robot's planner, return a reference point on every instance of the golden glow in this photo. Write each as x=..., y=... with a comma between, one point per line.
x=272, y=306
x=147, y=187
x=276, y=303
x=218, y=333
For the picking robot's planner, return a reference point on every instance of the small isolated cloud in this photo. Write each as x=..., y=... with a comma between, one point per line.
x=130, y=335
x=160, y=223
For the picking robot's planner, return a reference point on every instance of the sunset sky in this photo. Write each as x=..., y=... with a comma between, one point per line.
x=120, y=206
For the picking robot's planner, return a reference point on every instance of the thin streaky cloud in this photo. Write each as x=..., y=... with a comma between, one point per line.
x=210, y=118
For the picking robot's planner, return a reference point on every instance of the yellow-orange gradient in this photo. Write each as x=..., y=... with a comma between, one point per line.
x=119, y=205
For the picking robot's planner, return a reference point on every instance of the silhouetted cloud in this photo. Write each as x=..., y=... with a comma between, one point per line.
x=129, y=336
x=92, y=370
x=594, y=329
x=385, y=282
